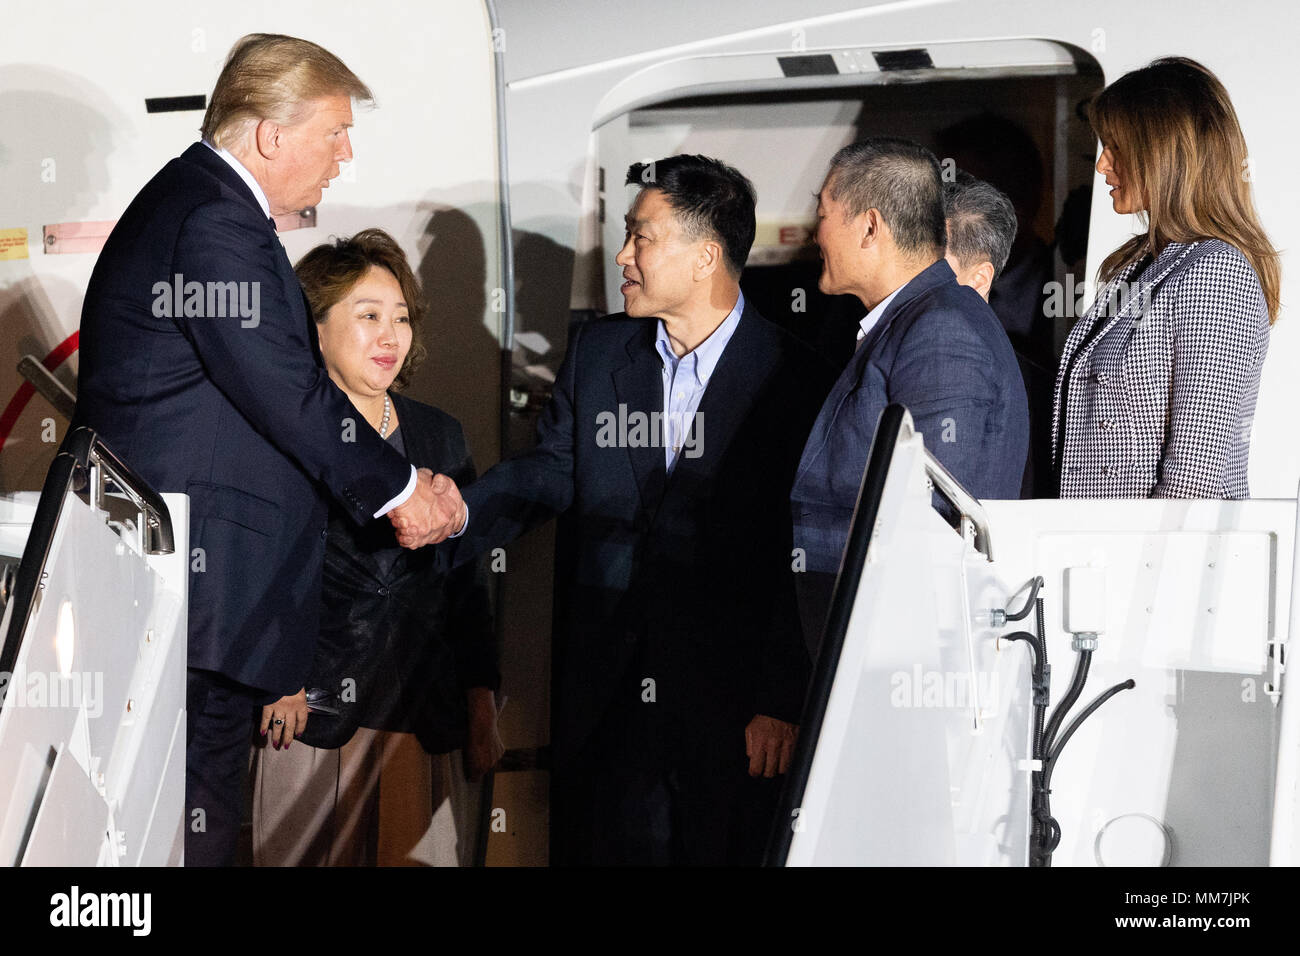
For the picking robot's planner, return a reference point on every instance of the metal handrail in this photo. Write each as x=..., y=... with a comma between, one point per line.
x=893, y=427
x=156, y=523
x=83, y=463
x=965, y=504
x=54, y=391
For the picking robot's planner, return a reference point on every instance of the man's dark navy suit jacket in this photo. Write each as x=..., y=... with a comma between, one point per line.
x=941, y=351
x=242, y=417
x=683, y=578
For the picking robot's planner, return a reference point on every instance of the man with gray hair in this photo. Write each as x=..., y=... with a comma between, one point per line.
x=926, y=342
x=200, y=368
x=981, y=229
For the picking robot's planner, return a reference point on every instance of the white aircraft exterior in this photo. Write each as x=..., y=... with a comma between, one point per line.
x=496, y=156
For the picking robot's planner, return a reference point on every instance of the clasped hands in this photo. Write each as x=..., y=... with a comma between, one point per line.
x=433, y=513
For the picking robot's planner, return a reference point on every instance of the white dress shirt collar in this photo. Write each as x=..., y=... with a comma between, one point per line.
x=244, y=174
x=869, y=320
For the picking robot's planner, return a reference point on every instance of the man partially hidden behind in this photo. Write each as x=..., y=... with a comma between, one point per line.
x=981, y=228
x=200, y=368
x=926, y=342
x=668, y=448
x=981, y=232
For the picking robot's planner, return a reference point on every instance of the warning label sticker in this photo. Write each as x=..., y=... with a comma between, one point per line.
x=13, y=243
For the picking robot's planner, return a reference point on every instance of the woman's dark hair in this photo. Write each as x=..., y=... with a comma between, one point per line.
x=711, y=199
x=329, y=271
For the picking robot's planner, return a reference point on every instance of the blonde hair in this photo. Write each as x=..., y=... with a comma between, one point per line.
x=1175, y=137
x=273, y=77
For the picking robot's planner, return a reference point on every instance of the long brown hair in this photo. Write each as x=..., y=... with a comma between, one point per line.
x=328, y=272
x=1176, y=140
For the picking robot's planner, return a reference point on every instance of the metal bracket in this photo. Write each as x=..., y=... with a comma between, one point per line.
x=977, y=715
x=1277, y=654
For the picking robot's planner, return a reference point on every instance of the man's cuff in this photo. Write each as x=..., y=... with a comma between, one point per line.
x=462, y=530
x=400, y=499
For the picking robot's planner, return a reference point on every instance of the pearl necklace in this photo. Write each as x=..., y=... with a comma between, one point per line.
x=388, y=413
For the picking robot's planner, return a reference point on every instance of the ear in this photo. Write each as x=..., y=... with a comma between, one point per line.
x=981, y=279
x=709, y=259
x=268, y=138
x=870, y=228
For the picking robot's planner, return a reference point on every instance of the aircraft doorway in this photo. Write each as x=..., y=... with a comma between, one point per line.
x=1020, y=125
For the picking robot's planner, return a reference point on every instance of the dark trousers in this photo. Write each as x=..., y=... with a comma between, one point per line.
x=814, y=590
x=682, y=815
x=218, y=730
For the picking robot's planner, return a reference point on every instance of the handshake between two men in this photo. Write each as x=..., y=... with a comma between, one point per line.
x=434, y=512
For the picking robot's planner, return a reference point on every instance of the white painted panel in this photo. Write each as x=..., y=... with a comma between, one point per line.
x=73, y=819
x=1176, y=599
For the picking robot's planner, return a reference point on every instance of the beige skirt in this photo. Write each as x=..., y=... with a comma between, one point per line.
x=379, y=800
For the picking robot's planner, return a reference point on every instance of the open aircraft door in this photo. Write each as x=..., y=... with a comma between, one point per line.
x=922, y=743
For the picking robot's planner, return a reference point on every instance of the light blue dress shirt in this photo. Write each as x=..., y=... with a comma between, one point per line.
x=868, y=321
x=685, y=379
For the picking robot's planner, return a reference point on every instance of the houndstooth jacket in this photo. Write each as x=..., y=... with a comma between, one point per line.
x=1160, y=401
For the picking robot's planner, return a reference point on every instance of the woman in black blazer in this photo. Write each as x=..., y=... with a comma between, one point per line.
x=405, y=666
x=1157, y=385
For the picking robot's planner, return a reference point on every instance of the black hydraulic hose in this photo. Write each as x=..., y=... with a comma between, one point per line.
x=1077, y=681
x=1036, y=646
x=1050, y=842
x=1040, y=818
x=1039, y=686
x=1039, y=682
x=1044, y=828
x=1032, y=641
x=1045, y=831
x=1023, y=613
x=1038, y=811
x=1048, y=846
x=1078, y=722
x=1044, y=691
